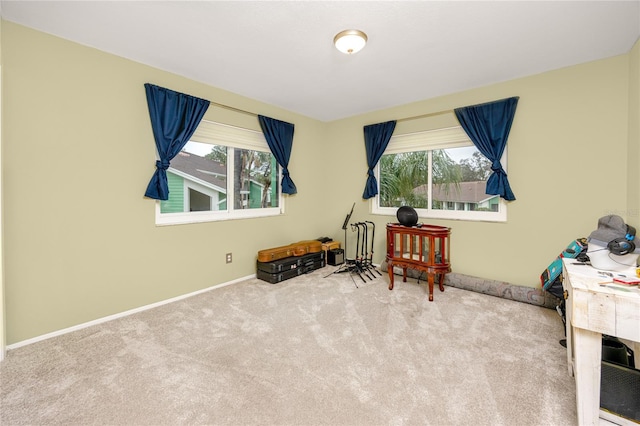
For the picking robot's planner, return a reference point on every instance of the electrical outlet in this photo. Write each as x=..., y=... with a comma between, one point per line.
x=229, y=258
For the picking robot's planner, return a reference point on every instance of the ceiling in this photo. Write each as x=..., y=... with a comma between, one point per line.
x=282, y=53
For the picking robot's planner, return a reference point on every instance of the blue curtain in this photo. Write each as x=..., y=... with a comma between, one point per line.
x=174, y=118
x=376, y=139
x=279, y=136
x=488, y=127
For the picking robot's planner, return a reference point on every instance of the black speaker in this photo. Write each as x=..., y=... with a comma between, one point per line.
x=407, y=216
x=335, y=257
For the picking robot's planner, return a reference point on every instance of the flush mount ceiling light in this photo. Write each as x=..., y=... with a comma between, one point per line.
x=350, y=41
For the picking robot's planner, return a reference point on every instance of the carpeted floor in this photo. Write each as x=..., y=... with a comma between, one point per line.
x=313, y=350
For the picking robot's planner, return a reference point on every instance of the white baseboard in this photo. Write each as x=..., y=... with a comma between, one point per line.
x=121, y=314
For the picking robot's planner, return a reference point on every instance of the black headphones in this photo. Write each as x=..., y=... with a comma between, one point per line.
x=622, y=246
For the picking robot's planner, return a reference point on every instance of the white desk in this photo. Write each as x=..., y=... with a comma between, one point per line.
x=591, y=311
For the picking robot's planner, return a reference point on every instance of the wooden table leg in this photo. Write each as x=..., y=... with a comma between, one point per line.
x=587, y=370
x=431, y=277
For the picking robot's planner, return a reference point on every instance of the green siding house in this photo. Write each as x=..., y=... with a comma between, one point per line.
x=199, y=184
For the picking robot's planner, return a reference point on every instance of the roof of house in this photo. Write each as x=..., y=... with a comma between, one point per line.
x=463, y=192
x=206, y=170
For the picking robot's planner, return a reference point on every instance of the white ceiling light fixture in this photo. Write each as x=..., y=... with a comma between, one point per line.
x=350, y=41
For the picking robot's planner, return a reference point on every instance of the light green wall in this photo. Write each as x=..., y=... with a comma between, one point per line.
x=3, y=333
x=566, y=165
x=72, y=116
x=80, y=236
x=633, y=157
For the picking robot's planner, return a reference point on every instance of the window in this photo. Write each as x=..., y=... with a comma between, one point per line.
x=441, y=174
x=222, y=173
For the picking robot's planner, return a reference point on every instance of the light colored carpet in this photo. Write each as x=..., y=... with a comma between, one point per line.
x=307, y=351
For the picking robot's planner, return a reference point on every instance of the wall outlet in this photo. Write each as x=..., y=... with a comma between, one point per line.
x=229, y=258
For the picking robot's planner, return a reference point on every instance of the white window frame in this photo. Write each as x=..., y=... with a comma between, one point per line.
x=232, y=137
x=450, y=137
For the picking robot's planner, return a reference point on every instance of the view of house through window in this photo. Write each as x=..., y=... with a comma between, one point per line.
x=198, y=179
x=209, y=180
x=440, y=174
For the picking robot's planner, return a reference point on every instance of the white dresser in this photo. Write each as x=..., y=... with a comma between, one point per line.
x=594, y=309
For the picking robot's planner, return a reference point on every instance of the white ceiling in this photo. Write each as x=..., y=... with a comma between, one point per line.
x=281, y=52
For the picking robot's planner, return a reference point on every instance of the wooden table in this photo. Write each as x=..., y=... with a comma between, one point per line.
x=591, y=311
x=423, y=247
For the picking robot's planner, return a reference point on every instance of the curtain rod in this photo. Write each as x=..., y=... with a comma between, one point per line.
x=233, y=109
x=431, y=114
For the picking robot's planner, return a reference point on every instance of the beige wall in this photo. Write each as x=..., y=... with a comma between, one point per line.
x=566, y=165
x=80, y=239
x=2, y=315
x=633, y=155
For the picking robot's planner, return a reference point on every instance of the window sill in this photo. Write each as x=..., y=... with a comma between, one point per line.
x=168, y=219
x=425, y=214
